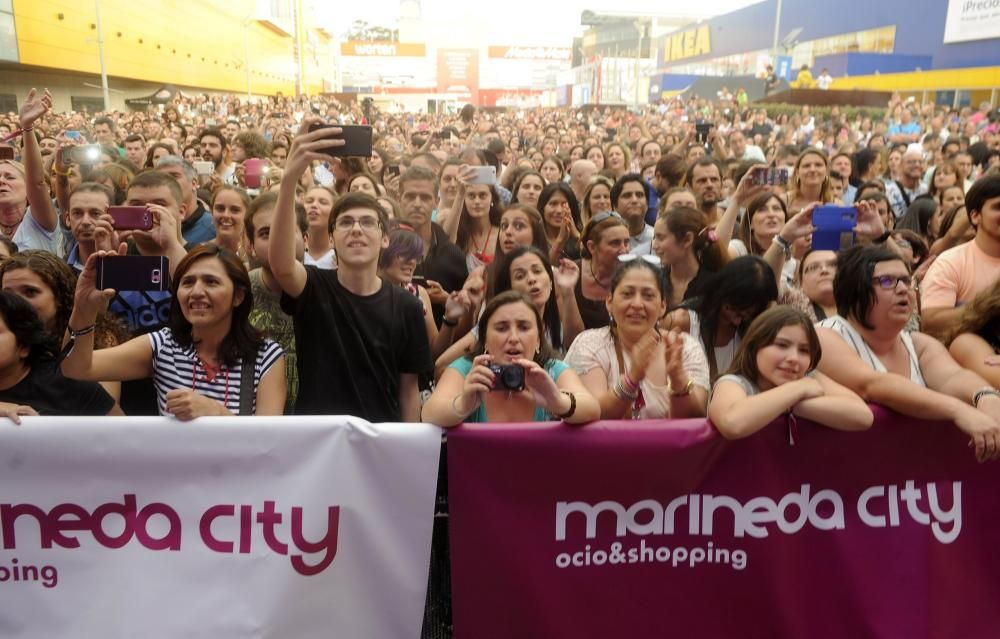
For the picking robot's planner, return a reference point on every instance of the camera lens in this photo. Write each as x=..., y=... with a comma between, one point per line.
x=513, y=377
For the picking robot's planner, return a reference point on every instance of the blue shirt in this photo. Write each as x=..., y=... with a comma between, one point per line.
x=553, y=367
x=654, y=205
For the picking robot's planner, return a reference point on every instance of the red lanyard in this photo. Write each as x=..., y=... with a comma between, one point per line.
x=481, y=255
x=194, y=377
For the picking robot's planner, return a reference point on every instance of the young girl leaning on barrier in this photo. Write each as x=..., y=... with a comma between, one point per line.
x=774, y=373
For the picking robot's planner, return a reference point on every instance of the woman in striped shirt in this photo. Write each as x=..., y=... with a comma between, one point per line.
x=197, y=361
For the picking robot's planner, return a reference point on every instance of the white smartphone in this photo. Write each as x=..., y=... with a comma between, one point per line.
x=203, y=167
x=484, y=175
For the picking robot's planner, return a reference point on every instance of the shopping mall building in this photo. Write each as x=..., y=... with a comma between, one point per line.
x=945, y=51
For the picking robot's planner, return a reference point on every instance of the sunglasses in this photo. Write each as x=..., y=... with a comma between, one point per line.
x=600, y=217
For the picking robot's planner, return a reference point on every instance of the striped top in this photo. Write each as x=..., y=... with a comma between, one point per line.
x=174, y=366
x=867, y=355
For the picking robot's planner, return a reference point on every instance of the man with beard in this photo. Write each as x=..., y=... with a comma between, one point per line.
x=705, y=179
x=629, y=196
x=213, y=149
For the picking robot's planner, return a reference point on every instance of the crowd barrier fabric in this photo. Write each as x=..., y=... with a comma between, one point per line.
x=663, y=529
x=218, y=528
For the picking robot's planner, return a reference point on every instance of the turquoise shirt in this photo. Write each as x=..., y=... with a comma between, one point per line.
x=553, y=367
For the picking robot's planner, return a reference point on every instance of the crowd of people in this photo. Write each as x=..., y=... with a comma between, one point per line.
x=612, y=264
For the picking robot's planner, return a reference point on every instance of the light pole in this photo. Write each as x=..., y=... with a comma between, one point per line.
x=100, y=52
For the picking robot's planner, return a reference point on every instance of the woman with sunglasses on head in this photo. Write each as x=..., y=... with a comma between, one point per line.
x=774, y=373
x=603, y=239
x=868, y=349
x=636, y=370
x=512, y=374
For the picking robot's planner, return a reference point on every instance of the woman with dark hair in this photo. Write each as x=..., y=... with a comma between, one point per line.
x=30, y=380
x=919, y=214
x=974, y=341
x=774, y=373
x=527, y=187
x=740, y=291
x=157, y=152
x=526, y=269
x=595, y=154
x=765, y=215
x=561, y=216
x=688, y=251
x=511, y=375
x=209, y=360
x=472, y=223
x=868, y=349
x=552, y=169
x=633, y=369
x=943, y=176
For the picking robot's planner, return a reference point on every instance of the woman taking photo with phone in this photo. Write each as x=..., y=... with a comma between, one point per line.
x=511, y=375
x=774, y=373
x=207, y=361
x=635, y=370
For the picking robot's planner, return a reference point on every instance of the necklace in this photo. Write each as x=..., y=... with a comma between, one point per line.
x=480, y=252
x=9, y=229
x=210, y=373
x=597, y=279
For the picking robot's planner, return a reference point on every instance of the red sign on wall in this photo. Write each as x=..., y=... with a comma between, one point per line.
x=458, y=72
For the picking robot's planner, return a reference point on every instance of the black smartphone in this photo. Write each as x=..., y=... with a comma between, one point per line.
x=6, y=152
x=357, y=140
x=701, y=130
x=133, y=273
x=392, y=170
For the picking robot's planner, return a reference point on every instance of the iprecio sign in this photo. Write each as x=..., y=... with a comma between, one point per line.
x=383, y=49
x=531, y=53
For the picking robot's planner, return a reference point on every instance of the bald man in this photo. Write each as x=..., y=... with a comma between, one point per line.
x=579, y=177
x=903, y=191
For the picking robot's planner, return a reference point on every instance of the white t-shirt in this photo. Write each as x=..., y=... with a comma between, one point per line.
x=326, y=261
x=31, y=235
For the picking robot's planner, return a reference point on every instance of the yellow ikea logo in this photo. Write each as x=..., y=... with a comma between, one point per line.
x=687, y=44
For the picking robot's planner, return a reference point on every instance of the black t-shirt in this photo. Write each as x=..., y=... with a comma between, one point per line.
x=352, y=350
x=445, y=264
x=48, y=392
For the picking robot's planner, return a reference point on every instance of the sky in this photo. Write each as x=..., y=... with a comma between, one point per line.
x=545, y=23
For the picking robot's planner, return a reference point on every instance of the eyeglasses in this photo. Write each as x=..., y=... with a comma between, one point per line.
x=628, y=257
x=890, y=282
x=600, y=217
x=346, y=223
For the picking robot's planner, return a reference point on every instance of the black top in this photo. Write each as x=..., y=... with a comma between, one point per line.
x=694, y=287
x=352, y=349
x=50, y=393
x=593, y=313
x=444, y=264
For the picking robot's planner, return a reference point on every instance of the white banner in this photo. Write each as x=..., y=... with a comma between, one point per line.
x=972, y=20
x=218, y=528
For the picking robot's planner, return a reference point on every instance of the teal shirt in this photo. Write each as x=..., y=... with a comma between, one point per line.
x=553, y=367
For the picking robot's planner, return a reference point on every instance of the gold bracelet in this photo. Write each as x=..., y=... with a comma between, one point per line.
x=687, y=389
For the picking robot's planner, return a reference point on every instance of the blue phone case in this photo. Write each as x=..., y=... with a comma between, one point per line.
x=834, y=228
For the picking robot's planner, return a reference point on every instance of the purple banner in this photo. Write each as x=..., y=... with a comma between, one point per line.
x=664, y=529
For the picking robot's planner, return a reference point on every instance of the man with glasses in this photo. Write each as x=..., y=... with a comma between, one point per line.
x=360, y=341
x=867, y=348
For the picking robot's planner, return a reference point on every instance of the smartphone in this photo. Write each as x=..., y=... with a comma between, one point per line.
x=131, y=218
x=74, y=135
x=769, y=176
x=6, y=152
x=834, y=227
x=133, y=273
x=484, y=175
x=701, y=131
x=419, y=279
x=203, y=167
x=85, y=154
x=357, y=140
x=253, y=170
x=392, y=170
